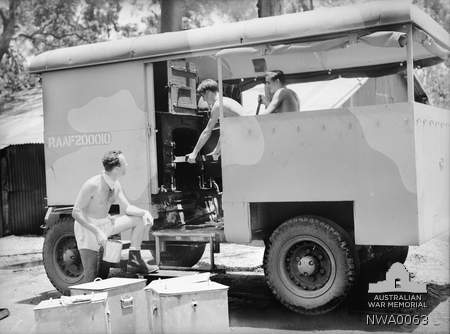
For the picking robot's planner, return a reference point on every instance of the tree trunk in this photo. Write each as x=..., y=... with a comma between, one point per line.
x=270, y=7
x=279, y=7
x=172, y=14
x=8, y=22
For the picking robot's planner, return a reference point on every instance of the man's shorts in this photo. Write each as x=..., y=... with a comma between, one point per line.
x=87, y=239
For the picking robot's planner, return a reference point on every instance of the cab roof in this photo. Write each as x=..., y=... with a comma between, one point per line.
x=324, y=24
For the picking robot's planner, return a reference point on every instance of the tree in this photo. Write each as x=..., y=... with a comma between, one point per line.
x=33, y=26
x=8, y=17
x=436, y=79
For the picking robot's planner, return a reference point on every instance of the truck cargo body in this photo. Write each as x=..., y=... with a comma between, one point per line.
x=390, y=161
x=379, y=158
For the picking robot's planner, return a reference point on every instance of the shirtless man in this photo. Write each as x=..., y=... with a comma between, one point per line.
x=283, y=99
x=93, y=225
x=209, y=90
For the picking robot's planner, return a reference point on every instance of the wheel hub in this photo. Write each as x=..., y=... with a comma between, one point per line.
x=67, y=257
x=307, y=265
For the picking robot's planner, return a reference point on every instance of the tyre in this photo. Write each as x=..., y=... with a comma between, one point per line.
x=61, y=258
x=181, y=255
x=310, y=264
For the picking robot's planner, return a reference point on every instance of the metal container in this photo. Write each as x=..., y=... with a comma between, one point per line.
x=126, y=299
x=186, y=306
x=112, y=251
x=73, y=315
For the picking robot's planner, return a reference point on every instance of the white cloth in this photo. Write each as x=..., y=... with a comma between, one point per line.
x=87, y=239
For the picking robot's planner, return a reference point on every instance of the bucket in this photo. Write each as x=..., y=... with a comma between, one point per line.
x=112, y=251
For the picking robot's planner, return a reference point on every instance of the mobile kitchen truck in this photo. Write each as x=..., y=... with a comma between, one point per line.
x=327, y=190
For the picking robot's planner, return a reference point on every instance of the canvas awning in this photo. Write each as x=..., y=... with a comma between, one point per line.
x=356, y=54
x=327, y=27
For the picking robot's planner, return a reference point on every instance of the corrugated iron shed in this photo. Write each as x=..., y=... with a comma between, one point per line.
x=23, y=189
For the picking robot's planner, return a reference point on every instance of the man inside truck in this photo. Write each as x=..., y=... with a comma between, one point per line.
x=93, y=224
x=209, y=91
x=283, y=98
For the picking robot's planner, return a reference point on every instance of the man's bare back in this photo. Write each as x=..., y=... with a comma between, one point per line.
x=208, y=89
x=288, y=101
x=230, y=108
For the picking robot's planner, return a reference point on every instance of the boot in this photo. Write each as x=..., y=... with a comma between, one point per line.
x=137, y=265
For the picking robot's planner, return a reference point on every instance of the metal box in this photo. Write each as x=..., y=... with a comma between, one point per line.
x=184, y=306
x=73, y=315
x=126, y=299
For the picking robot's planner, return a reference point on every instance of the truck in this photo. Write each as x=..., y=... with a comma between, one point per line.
x=330, y=192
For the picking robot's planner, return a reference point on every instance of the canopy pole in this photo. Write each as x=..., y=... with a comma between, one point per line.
x=219, y=81
x=410, y=65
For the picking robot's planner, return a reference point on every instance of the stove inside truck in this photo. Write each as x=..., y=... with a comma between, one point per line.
x=189, y=194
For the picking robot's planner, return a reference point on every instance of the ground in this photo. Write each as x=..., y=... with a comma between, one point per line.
x=23, y=284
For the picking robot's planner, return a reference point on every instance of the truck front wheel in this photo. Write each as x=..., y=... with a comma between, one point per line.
x=61, y=258
x=310, y=264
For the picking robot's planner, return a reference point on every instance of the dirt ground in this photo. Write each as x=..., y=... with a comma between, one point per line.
x=252, y=308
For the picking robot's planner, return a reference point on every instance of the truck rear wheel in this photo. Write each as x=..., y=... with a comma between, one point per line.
x=61, y=258
x=310, y=264
x=181, y=255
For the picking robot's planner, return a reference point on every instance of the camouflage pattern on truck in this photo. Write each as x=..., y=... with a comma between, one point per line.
x=370, y=155
x=89, y=111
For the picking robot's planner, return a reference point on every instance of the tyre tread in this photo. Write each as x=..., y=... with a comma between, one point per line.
x=336, y=232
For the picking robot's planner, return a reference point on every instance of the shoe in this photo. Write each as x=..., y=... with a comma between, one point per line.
x=136, y=265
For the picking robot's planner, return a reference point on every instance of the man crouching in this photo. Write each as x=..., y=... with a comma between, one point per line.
x=93, y=224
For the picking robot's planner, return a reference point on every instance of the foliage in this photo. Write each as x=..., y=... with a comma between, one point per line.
x=436, y=79
x=41, y=25
x=202, y=13
x=436, y=82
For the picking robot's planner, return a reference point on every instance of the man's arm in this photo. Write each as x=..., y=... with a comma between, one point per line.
x=206, y=134
x=126, y=207
x=82, y=201
x=132, y=210
x=274, y=104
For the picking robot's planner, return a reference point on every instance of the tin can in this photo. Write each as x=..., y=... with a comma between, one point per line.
x=112, y=251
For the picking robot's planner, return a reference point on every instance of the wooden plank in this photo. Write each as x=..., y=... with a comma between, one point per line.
x=410, y=65
x=171, y=273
